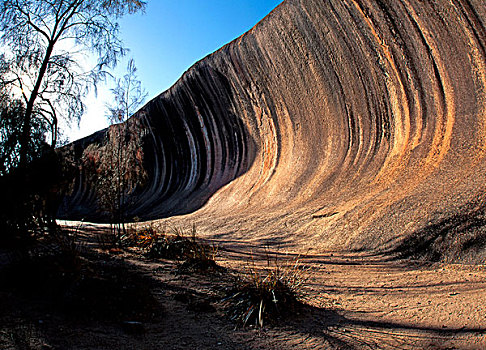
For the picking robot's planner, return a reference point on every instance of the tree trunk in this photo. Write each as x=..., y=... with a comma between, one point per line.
x=26, y=127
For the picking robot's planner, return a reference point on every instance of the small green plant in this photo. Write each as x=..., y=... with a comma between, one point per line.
x=266, y=294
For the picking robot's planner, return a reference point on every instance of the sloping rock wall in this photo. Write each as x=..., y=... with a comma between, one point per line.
x=335, y=124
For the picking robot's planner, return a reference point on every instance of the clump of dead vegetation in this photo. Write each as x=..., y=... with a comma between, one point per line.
x=267, y=294
x=175, y=244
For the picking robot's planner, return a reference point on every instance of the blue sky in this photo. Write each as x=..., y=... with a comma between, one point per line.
x=169, y=38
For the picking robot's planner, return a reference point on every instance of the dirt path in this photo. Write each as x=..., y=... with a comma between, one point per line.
x=363, y=301
x=356, y=301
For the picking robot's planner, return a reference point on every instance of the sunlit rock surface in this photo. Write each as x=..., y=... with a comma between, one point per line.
x=331, y=124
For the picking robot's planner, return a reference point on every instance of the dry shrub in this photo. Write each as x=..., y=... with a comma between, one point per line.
x=141, y=236
x=194, y=254
x=269, y=294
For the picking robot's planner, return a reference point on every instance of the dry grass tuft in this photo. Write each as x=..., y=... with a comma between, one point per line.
x=265, y=295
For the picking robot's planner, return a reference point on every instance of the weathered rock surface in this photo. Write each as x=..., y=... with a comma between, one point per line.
x=356, y=124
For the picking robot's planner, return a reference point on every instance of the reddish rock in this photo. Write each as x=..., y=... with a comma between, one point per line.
x=331, y=124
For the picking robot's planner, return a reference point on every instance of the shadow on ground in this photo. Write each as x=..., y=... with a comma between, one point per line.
x=123, y=300
x=320, y=325
x=448, y=237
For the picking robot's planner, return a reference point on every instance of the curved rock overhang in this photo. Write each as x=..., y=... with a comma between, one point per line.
x=339, y=124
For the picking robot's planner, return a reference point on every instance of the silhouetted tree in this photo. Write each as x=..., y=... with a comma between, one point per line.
x=43, y=46
x=43, y=42
x=116, y=167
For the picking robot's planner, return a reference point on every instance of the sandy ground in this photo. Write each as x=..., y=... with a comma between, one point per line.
x=354, y=301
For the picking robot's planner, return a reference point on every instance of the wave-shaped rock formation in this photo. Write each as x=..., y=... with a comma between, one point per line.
x=339, y=124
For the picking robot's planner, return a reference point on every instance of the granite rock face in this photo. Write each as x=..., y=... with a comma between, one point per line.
x=350, y=124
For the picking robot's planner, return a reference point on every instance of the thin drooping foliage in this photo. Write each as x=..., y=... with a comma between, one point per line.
x=44, y=46
x=128, y=95
x=116, y=167
x=116, y=170
x=44, y=76
x=11, y=115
